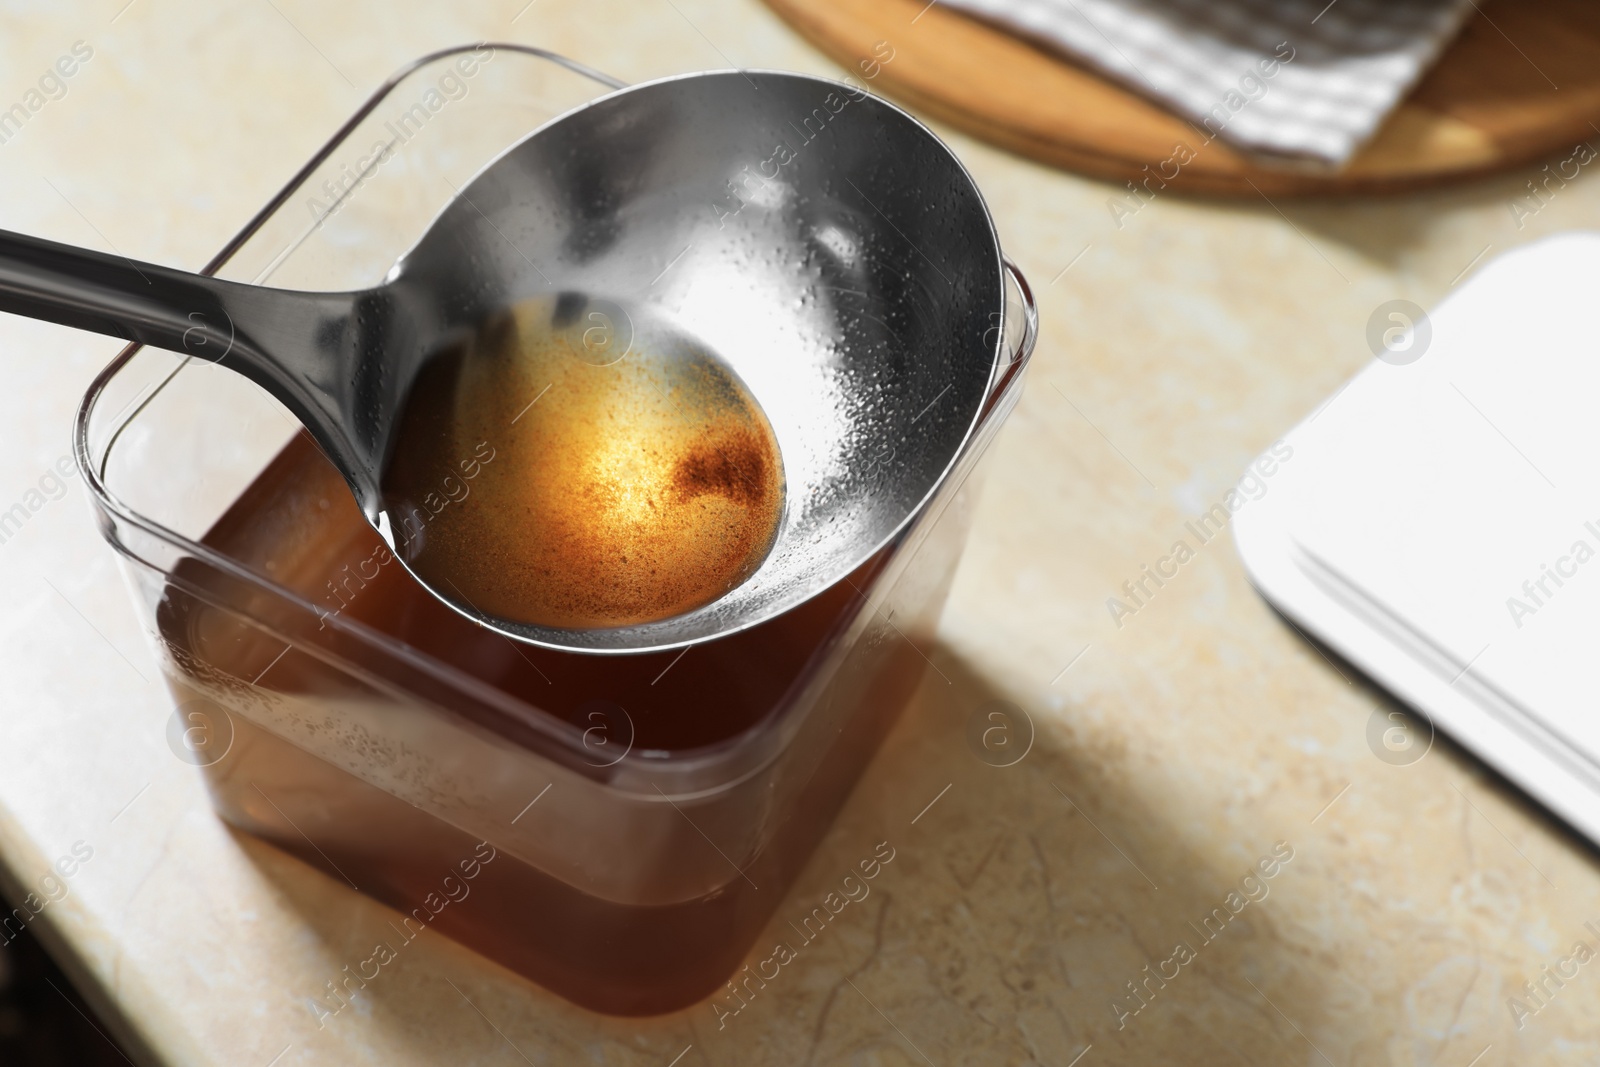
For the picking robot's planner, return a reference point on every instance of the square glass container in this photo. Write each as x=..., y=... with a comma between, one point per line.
x=617, y=828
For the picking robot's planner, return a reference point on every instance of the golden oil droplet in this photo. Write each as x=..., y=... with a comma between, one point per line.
x=575, y=466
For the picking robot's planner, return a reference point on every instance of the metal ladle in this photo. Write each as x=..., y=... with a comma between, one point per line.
x=822, y=242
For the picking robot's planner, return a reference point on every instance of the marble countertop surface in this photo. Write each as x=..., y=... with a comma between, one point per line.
x=1176, y=747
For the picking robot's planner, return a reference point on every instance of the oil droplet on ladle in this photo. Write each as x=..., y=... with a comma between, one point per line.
x=575, y=465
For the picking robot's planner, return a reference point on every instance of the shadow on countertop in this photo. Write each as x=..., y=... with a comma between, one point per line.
x=43, y=1020
x=1015, y=925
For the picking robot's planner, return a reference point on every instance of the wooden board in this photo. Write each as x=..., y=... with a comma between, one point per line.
x=1522, y=82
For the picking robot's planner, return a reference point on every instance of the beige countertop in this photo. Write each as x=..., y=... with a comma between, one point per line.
x=1174, y=751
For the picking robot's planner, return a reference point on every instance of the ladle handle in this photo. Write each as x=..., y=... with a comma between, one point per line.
x=181, y=312
x=112, y=295
x=290, y=343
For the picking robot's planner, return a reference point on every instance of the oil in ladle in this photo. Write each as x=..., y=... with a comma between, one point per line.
x=577, y=466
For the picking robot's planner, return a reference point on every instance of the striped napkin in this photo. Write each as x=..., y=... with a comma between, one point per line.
x=1299, y=80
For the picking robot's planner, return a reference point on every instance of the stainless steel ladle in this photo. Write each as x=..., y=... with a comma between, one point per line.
x=822, y=242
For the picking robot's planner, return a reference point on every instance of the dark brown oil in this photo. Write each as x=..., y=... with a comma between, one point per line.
x=298, y=524
x=576, y=466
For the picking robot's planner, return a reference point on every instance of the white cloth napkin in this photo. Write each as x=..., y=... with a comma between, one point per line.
x=1301, y=79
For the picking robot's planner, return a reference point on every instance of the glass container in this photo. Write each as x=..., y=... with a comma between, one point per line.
x=616, y=828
